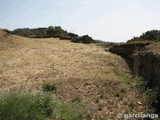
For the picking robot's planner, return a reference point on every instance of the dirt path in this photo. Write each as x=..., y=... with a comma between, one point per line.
x=85, y=71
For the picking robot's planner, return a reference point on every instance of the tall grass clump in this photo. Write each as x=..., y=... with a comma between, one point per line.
x=72, y=111
x=22, y=105
x=49, y=86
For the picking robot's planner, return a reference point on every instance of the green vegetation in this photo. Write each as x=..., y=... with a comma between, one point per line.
x=49, y=86
x=73, y=111
x=18, y=105
x=153, y=35
x=42, y=32
x=150, y=96
x=120, y=94
x=22, y=105
x=123, y=90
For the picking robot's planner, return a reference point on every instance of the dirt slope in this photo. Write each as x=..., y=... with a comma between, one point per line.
x=85, y=71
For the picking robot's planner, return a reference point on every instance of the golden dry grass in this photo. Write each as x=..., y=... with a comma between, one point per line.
x=30, y=62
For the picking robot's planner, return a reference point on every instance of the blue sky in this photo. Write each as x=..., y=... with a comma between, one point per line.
x=108, y=20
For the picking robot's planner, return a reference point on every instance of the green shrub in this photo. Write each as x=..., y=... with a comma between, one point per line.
x=152, y=35
x=49, y=86
x=72, y=111
x=18, y=105
x=151, y=96
x=138, y=82
x=22, y=105
x=41, y=32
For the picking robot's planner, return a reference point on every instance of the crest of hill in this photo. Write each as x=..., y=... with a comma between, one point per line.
x=7, y=40
x=2, y=32
x=52, y=32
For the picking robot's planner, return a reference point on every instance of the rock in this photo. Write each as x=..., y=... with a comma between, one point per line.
x=83, y=39
x=57, y=35
x=139, y=103
x=62, y=37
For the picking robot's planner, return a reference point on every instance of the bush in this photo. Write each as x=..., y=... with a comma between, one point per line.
x=152, y=35
x=72, y=35
x=22, y=105
x=49, y=86
x=150, y=96
x=18, y=105
x=73, y=111
x=39, y=32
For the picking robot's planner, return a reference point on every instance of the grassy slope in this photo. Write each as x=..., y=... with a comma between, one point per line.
x=82, y=71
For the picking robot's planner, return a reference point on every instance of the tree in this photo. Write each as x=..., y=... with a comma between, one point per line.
x=153, y=35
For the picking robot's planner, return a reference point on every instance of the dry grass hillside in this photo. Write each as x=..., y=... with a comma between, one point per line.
x=99, y=78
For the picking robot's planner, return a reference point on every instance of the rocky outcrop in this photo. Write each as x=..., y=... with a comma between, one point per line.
x=62, y=37
x=75, y=38
x=83, y=39
x=67, y=36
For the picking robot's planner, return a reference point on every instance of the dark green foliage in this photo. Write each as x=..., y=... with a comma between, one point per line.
x=22, y=105
x=49, y=86
x=18, y=105
x=52, y=31
x=150, y=35
x=39, y=32
x=151, y=96
x=153, y=35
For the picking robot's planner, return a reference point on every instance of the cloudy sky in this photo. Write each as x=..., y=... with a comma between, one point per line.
x=108, y=20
